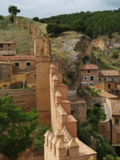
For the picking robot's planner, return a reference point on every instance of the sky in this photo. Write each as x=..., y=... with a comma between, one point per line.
x=48, y=8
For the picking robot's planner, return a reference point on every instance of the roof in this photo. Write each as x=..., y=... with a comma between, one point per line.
x=17, y=58
x=109, y=73
x=7, y=42
x=115, y=106
x=88, y=66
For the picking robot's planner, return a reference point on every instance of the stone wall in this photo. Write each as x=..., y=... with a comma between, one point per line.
x=26, y=98
x=105, y=129
x=78, y=110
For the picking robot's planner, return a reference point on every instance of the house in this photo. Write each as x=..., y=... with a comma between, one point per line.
x=88, y=74
x=7, y=48
x=110, y=87
x=115, y=108
x=109, y=75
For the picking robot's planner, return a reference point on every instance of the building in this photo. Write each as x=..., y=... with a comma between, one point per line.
x=88, y=74
x=110, y=87
x=7, y=48
x=109, y=75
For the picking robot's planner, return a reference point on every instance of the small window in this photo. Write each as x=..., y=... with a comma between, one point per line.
x=85, y=78
x=116, y=121
x=8, y=44
x=108, y=85
x=91, y=84
x=105, y=79
x=99, y=79
x=1, y=45
x=28, y=64
x=1, y=49
x=92, y=78
x=17, y=64
x=9, y=49
x=108, y=91
x=113, y=79
x=88, y=71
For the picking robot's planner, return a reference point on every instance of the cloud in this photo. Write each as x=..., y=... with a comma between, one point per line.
x=111, y=3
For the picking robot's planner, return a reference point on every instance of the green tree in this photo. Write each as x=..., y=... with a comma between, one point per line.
x=115, y=53
x=53, y=28
x=11, y=18
x=110, y=34
x=13, y=9
x=79, y=26
x=1, y=17
x=109, y=157
x=15, y=128
x=35, y=19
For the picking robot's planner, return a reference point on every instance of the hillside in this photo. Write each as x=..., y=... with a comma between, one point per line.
x=11, y=32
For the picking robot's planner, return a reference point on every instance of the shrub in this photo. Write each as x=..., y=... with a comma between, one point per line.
x=110, y=34
x=35, y=19
x=118, y=158
x=109, y=157
x=11, y=18
x=1, y=17
x=115, y=53
x=95, y=109
x=95, y=93
x=82, y=93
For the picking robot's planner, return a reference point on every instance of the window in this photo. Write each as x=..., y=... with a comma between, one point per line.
x=92, y=78
x=87, y=84
x=16, y=64
x=108, y=85
x=28, y=64
x=1, y=49
x=9, y=49
x=1, y=45
x=105, y=79
x=91, y=84
x=113, y=79
x=8, y=44
x=108, y=91
x=88, y=71
x=99, y=79
x=85, y=78
x=116, y=121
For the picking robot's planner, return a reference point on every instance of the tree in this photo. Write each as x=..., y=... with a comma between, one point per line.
x=79, y=26
x=53, y=29
x=15, y=128
x=13, y=9
x=110, y=34
x=35, y=19
x=109, y=157
x=1, y=17
x=115, y=53
x=11, y=18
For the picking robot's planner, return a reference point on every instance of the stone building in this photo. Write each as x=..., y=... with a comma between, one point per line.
x=8, y=48
x=88, y=74
x=109, y=75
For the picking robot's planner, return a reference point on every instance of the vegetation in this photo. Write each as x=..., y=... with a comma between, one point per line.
x=115, y=53
x=109, y=157
x=1, y=17
x=95, y=92
x=15, y=128
x=21, y=87
x=11, y=18
x=53, y=29
x=110, y=34
x=97, y=23
x=82, y=93
x=35, y=19
x=79, y=26
x=13, y=9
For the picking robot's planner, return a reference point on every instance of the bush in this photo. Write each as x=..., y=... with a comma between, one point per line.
x=109, y=157
x=110, y=34
x=1, y=17
x=35, y=19
x=95, y=93
x=82, y=93
x=95, y=109
x=118, y=158
x=115, y=53
x=11, y=18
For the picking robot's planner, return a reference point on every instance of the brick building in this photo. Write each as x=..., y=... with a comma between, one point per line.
x=7, y=48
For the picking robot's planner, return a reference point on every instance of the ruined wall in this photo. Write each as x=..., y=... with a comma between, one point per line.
x=105, y=129
x=5, y=73
x=26, y=98
x=78, y=110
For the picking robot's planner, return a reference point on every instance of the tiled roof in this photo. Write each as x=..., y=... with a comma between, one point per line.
x=88, y=66
x=17, y=58
x=7, y=42
x=115, y=106
x=109, y=73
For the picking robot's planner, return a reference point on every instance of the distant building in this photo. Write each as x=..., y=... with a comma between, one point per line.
x=109, y=75
x=7, y=48
x=88, y=74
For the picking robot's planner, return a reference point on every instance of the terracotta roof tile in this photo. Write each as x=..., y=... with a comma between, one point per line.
x=115, y=107
x=17, y=58
x=109, y=73
x=88, y=66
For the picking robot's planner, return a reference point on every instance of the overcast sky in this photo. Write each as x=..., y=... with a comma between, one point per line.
x=47, y=8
